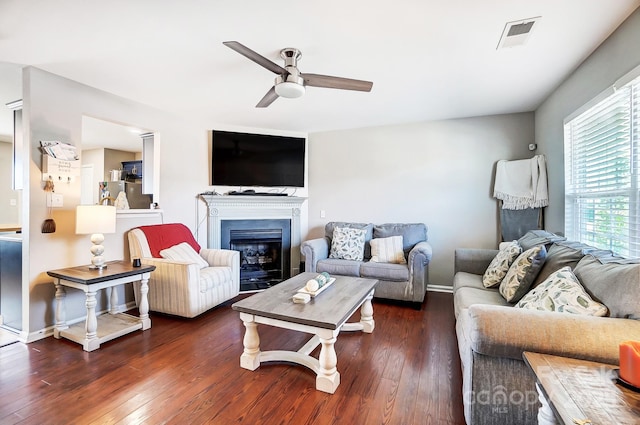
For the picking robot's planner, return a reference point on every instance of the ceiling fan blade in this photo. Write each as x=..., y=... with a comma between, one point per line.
x=327, y=81
x=268, y=98
x=256, y=57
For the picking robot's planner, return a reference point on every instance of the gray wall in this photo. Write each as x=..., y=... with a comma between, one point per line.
x=611, y=60
x=438, y=173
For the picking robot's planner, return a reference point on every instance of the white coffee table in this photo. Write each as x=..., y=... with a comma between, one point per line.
x=324, y=317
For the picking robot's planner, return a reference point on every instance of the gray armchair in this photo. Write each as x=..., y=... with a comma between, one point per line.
x=404, y=282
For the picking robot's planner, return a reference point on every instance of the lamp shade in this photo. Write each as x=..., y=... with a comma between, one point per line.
x=92, y=219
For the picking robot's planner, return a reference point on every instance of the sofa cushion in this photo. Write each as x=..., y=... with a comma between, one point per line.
x=522, y=273
x=387, y=250
x=184, y=252
x=330, y=226
x=385, y=271
x=500, y=264
x=562, y=292
x=559, y=255
x=339, y=267
x=347, y=244
x=615, y=285
x=411, y=233
x=464, y=297
x=539, y=237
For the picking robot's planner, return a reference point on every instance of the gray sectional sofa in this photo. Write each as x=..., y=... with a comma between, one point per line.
x=498, y=388
x=405, y=282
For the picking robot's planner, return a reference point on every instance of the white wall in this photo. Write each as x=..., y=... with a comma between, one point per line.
x=611, y=60
x=438, y=173
x=53, y=108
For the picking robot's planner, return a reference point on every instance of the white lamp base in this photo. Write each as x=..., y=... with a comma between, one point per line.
x=97, y=250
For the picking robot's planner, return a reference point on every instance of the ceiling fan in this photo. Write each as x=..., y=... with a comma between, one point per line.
x=290, y=82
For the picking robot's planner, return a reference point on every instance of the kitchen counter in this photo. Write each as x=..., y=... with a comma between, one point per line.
x=8, y=235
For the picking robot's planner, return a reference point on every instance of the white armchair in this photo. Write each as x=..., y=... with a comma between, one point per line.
x=182, y=287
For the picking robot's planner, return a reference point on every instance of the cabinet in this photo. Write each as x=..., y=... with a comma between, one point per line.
x=11, y=282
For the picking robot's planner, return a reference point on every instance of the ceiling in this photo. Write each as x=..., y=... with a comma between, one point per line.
x=428, y=60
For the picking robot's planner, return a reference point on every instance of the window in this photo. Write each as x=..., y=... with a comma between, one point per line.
x=602, y=197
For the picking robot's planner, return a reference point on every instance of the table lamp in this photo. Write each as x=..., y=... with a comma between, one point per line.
x=95, y=220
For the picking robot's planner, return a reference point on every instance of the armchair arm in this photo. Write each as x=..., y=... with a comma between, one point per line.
x=472, y=260
x=223, y=258
x=220, y=257
x=314, y=250
x=561, y=334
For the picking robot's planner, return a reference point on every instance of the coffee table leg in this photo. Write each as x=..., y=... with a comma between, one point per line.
x=545, y=414
x=328, y=377
x=366, y=315
x=250, y=358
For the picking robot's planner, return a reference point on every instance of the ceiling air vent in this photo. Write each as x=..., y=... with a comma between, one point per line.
x=517, y=33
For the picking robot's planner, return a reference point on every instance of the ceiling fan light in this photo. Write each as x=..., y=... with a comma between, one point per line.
x=289, y=90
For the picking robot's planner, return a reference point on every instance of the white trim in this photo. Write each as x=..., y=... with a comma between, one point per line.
x=627, y=78
x=593, y=102
x=48, y=331
x=620, y=82
x=440, y=288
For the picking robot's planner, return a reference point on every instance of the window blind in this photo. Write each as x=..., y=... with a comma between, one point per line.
x=601, y=173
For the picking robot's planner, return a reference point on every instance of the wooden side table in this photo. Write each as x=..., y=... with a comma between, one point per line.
x=99, y=329
x=573, y=391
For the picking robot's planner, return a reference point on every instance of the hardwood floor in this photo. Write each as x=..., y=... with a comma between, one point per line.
x=186, y=371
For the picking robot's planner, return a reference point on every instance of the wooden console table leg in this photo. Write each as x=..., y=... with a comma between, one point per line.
x=545, y=414
x=91, y=341
x=61, y=315
x=143, y=308
x=328, y=377
x=366, y=315
x=250, y=358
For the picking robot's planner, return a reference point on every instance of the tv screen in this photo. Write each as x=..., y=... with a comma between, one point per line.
x=244, y=159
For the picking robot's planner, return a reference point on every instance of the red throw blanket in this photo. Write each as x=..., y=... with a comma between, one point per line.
x=163, y=236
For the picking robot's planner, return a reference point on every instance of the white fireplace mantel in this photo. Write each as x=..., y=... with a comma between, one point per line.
x=255, y=207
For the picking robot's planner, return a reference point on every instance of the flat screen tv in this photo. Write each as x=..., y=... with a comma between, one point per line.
x=245, y=159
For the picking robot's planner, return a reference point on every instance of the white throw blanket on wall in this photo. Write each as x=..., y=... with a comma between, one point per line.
x=522, y=184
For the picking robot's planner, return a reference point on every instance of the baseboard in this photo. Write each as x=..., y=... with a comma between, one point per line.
x=48, y=331
x=440, y=288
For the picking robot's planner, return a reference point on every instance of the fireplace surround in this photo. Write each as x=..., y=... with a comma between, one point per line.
x=257, y=210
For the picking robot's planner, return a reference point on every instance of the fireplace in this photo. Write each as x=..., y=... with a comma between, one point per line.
x=264, y=247
x=254, y=209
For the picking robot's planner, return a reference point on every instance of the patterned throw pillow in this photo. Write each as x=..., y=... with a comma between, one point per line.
x=500, y=264
x=387, y=250
x=348, y=244
x=562, y=292
x=184, y=252
x=522, y=273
